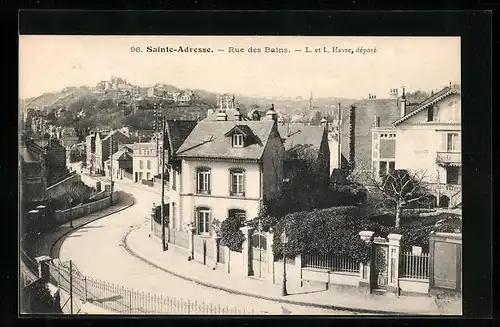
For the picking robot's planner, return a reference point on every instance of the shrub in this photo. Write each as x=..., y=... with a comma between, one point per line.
x=267, y=221
x=333, y=230
x=231, y=235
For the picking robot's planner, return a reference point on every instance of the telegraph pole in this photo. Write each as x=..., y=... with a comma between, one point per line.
x=163, y=127
x=111, y=168
x=339, y=126
x=156, y=127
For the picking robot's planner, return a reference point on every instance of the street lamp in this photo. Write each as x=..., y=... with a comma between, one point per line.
x=284, y=241
x=70, y=200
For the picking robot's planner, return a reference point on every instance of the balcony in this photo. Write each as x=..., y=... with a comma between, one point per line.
x=452, y=188
x=450, y=158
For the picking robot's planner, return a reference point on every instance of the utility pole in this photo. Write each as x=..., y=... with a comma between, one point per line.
x=339, y=128
x=156, y=130
x=163, y=127
x=111, y=168
x=71, y=286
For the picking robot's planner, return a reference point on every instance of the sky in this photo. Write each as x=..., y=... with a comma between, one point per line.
x=51, y=63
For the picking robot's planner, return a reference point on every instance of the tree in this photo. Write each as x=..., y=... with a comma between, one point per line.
x=400, y=188
x=316, y=119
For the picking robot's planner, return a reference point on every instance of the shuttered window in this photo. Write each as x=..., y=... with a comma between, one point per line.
x=237, y=186
x=203, y=180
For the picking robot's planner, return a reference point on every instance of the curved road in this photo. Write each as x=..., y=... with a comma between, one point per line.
x=96, y=251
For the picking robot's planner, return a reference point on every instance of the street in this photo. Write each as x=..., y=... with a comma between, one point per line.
x=96, y=250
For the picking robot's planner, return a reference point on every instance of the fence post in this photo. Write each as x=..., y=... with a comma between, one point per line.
x=365, y=269
x=85, y=286
x=247, y=247
x=393, y=280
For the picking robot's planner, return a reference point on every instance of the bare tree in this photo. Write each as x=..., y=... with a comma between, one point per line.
x=400, y=188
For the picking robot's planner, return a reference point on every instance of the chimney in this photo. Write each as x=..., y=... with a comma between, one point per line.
x=352, y=137
x=237, y=115
x=271, y=114
x=403, y=103
x=376, y=121
x=221, y=115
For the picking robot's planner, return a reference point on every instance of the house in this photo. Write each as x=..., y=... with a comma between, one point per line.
x=299, y=139
x=144, y=161
x=90, y=151
x=120, y=164
x=104, y=145
x=68, y=137
x=33, y=171
x=383, y=149
x=55, y=157
x=428, y=138
x=226, y=168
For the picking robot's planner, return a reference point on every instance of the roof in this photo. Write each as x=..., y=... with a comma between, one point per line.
x=112, y=134
x=178, y=131
x=428, y=102
x=28, y=156
x=301, y=134
x=121, y=155
x=207, y=140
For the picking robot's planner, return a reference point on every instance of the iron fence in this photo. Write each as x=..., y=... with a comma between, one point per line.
x=414, y=266
x=125, y=300
x=334, y=263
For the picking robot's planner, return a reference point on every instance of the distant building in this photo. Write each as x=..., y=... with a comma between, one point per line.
x=104, y=147
x=68, y=137
x=144, y=161
x=33, y=171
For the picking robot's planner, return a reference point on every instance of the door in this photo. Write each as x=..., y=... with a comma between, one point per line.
x=380, y=266
x=136, y=177
x=259, y=255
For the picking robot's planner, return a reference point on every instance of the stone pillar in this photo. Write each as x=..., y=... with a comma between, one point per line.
x=364, y=268
x=216, y=241
x=227, y=260
x=190, y=231
x=393, y=276
x=247, y=246
x=43, y=267
x=270, y=255
x=298, y=266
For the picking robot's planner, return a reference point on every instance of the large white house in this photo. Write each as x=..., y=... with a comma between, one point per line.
x=226, y=166
x=428, y=138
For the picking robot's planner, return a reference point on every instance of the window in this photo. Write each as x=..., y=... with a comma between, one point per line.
x=237, y=213
x=174, y=175
x=148, y=164
x=382, y=168
x=238, y=140
x=148, y=175
x=203, y=221
x=140, y=164
x=452, y=142
x=430, y=114
x=203, y=181
x=237, y=182
x=392, y=166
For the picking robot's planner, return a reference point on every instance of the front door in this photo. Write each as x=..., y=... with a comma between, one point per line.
x=259, y=255
x=380, y=266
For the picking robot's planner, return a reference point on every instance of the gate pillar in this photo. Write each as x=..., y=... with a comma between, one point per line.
x=247, y=247
x=364, y=268
x=394, y=247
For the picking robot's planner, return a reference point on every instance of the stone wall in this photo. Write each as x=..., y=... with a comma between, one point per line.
x=63, y=216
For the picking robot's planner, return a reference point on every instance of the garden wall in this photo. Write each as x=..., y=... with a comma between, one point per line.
x=63, y=216
x=409, y=286
x=235, y=263
x=328, y=277
x=64, y=183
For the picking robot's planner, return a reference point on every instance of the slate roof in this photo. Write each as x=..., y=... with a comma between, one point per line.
x=301, y=134
x=178, y=131
x=207, y=140
x=427, y=102
x=113, y=133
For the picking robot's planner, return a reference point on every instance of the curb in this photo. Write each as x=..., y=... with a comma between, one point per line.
x=233, y=291
x=62, y=236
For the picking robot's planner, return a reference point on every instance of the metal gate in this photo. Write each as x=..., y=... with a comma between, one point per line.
x=259, y=255
x=380, y=266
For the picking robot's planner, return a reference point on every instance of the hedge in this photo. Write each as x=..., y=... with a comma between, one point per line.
x=231, y=235
x=327, y=231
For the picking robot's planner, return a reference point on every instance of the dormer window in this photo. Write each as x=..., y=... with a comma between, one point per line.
x=237, y=140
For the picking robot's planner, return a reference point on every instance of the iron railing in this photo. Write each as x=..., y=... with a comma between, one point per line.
x=414, y=266
x=125, y=300
x=334, y=263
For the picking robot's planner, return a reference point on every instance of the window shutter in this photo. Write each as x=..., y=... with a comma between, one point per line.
x=196, y=181
x=243, y=178
x=196, y=220
x=209, y=177
x=459, y=142
x=444, y=141
x=210, y=229
x=230, y=182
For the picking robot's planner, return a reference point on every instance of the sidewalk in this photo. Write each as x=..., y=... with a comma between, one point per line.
x=50, y=242
x=139, y=244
